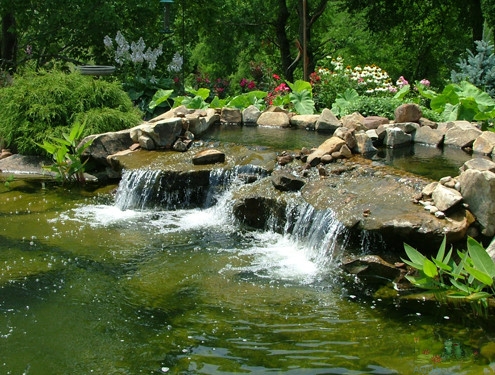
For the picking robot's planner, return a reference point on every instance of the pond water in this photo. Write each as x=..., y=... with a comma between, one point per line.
x=91, y=282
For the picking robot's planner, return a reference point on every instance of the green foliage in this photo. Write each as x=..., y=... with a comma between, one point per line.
x=39, y=106
x=478, y=69
x=470, y=278
x=301, y=97
x=255, y=98
x=66, y=153
x=461, y=101
x=350, y=101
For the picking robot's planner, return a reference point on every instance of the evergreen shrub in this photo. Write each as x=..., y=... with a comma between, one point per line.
x=478, y=69
x=38, y=106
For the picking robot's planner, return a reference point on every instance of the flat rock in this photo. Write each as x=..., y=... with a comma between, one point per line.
x=209, y=156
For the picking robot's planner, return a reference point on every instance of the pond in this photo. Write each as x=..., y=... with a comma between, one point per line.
x=91, y=284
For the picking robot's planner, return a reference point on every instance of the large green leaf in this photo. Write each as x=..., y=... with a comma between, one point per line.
x=300, y=86
x=159, y=97
x=478, y=275
x=303, y=103
x=481, y=259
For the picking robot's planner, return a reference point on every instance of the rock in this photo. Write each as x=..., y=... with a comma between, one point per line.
x=478, y=190
x=426, y=122
x=250, y=115
x=373, y=122
x=428, y=136
x=24, y=164
x=428, y=189
x=106, y=144
x=285, y=181
x=285, y=158
x=346, y=135
x=445, y=198
x=326, y=148
x=210, y=156
x=304, y=121
x=364, y=144
x=354, y=121
x=276, y=119
x=146, y=143
x=372, y=269
x=396, y=137
x=408, y=112
x=462, y=134
x=231, y=115
x=485, y=143
x=345, y=151
x=407, y=127
x=5, y=153
x=479, y=164
x=200, y=121
x=327, y=122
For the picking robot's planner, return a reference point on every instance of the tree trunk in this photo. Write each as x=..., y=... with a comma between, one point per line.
x=8, y=42
x=283, y=41
x=476, y=19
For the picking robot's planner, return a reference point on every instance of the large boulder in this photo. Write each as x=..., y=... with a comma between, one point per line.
x=163, y=132
x=428, y=136
x=355, y=121
x=478, y=191
x=408, y=112
x=479, y=164
x=251, y=115
x=286, y=181
x=327, y=122
x=106, y=144
x=231, y=115
x=462, y=134
x=485, y=143
x=364, y=144
x=396, y=137
x=304, y=121
x=445, y=198
x=276, y=119
x=373, y=122
x=209, y=156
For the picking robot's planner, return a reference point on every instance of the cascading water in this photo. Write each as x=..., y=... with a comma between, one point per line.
x=310, y=240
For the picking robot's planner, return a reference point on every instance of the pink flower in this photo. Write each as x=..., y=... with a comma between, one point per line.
x=276, y=77
x=251, y=85
x=425, y=82
x=282, y=88
x=401, y=82
x=243, y=82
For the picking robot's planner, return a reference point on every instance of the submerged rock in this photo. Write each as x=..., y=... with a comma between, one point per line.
x=210, y=156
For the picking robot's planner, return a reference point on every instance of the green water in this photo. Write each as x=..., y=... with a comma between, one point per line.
x=88, y=289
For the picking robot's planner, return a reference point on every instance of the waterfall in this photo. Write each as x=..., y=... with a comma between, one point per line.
x=303, y=242
x=321, y=233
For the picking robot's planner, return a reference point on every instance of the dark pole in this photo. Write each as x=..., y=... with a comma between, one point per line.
x=183, y=45
x=305, y=40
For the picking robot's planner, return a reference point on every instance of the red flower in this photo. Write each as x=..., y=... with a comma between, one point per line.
x=276, y=77
x=251, y=85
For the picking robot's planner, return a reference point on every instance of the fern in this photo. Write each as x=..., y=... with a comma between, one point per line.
x=46, y=104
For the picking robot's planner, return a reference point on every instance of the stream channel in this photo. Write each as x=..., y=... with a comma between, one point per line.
x=93, y=282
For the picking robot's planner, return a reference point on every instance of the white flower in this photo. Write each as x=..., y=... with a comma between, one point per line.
x=176, y=63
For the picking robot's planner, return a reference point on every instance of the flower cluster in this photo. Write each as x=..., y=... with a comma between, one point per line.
x=247, y=85
x=369, y=80
x=175, y=65
x=135, y=54
x=219, y=86
x=281, y=89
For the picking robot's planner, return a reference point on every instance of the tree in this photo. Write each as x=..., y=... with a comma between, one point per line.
x=428, y=35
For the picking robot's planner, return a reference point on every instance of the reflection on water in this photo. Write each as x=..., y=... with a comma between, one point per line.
x=422, y=160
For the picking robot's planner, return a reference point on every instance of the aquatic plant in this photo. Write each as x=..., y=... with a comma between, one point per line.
x=470, y=278
x=67, y=155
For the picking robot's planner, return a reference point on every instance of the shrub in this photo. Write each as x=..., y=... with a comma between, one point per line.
x=39, y=106
x=478, y=69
